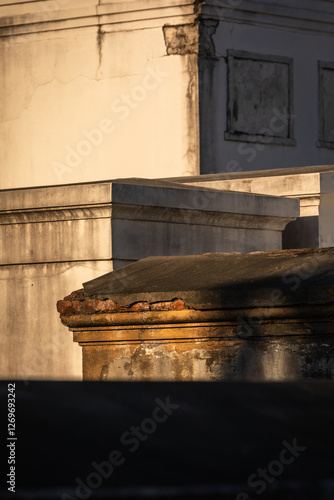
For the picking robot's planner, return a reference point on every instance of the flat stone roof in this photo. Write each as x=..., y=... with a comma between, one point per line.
x=224, y=280
x=313, y=169
x=149, y=192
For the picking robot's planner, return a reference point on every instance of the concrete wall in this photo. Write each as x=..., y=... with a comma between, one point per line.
x=263, y=98
x=88, y=92
x=97, y=90
x=34, y=345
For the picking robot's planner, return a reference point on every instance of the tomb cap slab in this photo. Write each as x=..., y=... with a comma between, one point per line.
x=222, y=280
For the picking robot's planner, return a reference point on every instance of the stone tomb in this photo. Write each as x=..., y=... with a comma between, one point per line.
x=129, y=219
x=313, y=186
x=255, y=317
x=55, y=237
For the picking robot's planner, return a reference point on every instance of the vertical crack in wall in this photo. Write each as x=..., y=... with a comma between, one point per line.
x=100, y=37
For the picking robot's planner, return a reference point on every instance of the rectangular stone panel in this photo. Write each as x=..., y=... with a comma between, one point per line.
x=326, y=104
x=259, y=98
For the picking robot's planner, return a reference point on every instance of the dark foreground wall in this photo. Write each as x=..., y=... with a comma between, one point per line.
x=170, y=440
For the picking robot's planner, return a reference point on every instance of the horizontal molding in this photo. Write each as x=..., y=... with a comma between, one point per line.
x=193, y=318
x=53, y=197
x=262, y=139
x=55, y=215
x=40, y=16
x=309, y=205
x=171, y=334
x=325, y=144
x=146, y=213
x=300, y=15
x=21, y=18
x=198, y=217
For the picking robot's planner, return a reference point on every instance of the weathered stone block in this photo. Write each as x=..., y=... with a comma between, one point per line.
x=313, y=186
x=53, y=236
x=257, y=317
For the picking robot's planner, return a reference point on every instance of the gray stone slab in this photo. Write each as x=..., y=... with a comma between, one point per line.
x=220, y=280
x=102, y=220
x=313, y=186
x=255, y=173
x=160, y=194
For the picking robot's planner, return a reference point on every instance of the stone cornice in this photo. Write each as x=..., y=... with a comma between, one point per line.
x=21, y=18
x=190, y=318
x=300, y=15
x=39, y=16
x=144, y=213
x=55, y=214
x=197, y=217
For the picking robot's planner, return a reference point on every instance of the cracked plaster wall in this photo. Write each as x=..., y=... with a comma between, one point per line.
x=59, y=88
x=268, y=359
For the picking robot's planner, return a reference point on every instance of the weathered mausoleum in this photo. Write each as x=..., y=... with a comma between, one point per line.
x=170, y=163
x=158, y=128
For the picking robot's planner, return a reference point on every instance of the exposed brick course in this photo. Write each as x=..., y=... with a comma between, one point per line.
x=79, y=303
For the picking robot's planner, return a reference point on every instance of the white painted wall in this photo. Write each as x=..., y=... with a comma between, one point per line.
x=91, y=98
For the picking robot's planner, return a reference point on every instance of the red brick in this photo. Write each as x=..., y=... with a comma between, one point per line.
x=160, y=306
x=64, y=306
x=177, y=305
x=140, y=306
x=105, y=306
x=89, y=305
x=76, y=306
